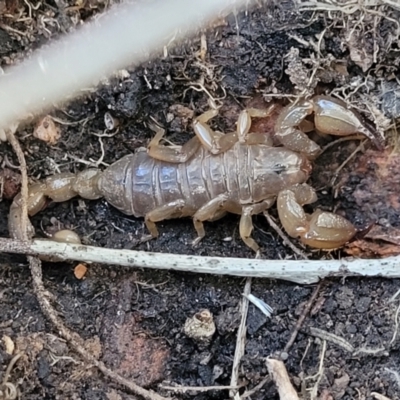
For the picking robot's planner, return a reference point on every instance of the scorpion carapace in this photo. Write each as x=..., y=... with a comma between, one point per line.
x=215, y=173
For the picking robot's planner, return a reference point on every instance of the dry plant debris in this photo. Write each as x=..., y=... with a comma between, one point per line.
x=200, y=327
x=8, y=391
x=47, y=130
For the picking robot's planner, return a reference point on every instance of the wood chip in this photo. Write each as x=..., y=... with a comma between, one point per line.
x=47, y=131
x=80, y=271
x=8, y=344
x=277, y=370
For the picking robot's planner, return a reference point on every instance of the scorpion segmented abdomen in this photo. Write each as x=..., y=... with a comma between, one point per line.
x=244, y=173
x=138, y=184
x=196, y=181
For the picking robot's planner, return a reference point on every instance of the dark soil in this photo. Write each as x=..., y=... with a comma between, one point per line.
x=133, y=320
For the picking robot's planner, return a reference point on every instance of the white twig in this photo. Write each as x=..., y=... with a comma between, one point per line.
x=299, y=271
x=265, y=308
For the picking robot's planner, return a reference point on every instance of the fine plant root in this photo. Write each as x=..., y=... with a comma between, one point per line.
x=9, y=391
x=284, y=237
x=303, y=316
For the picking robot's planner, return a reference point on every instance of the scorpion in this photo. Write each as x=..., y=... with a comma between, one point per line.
x=215, y=173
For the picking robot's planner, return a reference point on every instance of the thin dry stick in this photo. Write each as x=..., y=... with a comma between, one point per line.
x=240, y=339
x=298, y=271
x=396, y=326
x=185, y=389
x=319, y=374
x=303, y=316
x=285, y=239
x=256, y=388
x=344, y=344
x=343, y=139
x=10, y=367
x=345, y=162
x=47, y=309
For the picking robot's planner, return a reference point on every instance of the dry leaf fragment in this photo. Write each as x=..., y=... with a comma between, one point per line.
x=47, y=131
x=10, y=183
x=368, y=249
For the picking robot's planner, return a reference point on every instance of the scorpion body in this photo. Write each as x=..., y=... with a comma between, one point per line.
x=138, y=184
x=215, y=173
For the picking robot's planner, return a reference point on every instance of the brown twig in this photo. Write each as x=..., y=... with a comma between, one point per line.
x=285, y=239
x=256, y=388
x=36, y=271
x=302, y=317
x=8, y=391
x=24, y=184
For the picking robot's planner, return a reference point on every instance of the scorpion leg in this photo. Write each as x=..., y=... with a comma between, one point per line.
x=217, y=142
x=244, y=125
x=210, y=211
x=324, y=230
x=178, y=154
x=167, y=211
x=214, y=141
x=246, y=223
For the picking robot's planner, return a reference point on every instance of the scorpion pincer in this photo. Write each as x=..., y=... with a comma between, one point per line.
x=214, y=173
